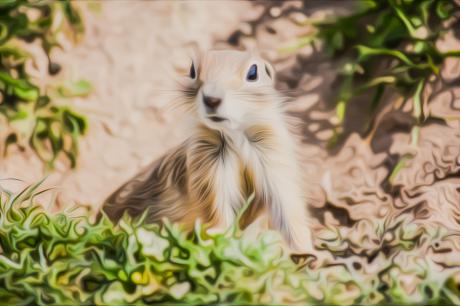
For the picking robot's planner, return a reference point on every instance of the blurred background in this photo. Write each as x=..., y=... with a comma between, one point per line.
x=376, y=85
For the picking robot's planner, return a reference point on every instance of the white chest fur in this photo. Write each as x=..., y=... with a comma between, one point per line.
x=269, y=155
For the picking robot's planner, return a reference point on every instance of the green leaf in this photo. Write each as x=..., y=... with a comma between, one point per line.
x=76, y=89
x=7, y=3
x=453, y=53
x=302, y=42
x=402, y=163
x=418, y=104
x=16, y=53
x=4, y=32
x=424, y=8
x=367, y=52
x=380, y=88
x=27, y=94
x=388, y=79
x=22, y=88
x=404, y=18
x=38, y=141
x=72, y=16
x=340, y=110
x=42, y=101
x=75, y=133
x=73, y=121
x=337, y=40
x=443, y=9
x=20, y=114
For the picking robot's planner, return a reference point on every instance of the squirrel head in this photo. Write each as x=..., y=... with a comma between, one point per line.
x=230, y=89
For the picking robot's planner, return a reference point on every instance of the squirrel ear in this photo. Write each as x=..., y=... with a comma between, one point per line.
x=269, y=70
x=194, y=52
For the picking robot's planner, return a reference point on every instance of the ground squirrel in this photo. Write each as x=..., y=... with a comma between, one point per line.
x=240, y=145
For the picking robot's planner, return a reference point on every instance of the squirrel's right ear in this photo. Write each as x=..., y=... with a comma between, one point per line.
x=194, y=49
x=192, y=71
x=194, y=54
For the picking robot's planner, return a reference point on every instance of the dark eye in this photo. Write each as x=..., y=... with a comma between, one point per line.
x=252, y=73
x=192, y=73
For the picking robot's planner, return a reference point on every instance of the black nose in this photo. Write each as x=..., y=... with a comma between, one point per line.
x=211, y=102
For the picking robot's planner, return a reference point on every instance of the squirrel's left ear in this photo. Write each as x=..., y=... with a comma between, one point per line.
x=269, y=70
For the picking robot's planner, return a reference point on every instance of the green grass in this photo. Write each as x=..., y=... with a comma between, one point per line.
x=56, y=259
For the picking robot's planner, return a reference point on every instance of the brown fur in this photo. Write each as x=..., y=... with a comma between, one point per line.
x=178, y=185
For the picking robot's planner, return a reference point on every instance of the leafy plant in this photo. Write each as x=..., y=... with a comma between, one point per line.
x=389, y=44
x=56, y=259
x=385, y=47
x=32, y=116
